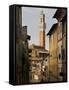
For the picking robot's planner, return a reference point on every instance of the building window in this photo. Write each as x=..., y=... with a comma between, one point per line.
x=60, y=52
x=63, y=54
x=64, y=27
x=46, y=59
x=61, y=73
x=29, y=55
x=59, y=56
x=40, y=55
x=30, y=50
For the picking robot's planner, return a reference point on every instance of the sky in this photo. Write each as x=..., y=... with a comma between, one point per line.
x=31, y=18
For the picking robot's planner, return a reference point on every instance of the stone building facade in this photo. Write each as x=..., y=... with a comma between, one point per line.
x=38, y=58
x=22, y=62
x=60, y=15
x=53, y=53
x=56, y=40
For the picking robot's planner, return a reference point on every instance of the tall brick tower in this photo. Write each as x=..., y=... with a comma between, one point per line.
x=42, y=27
